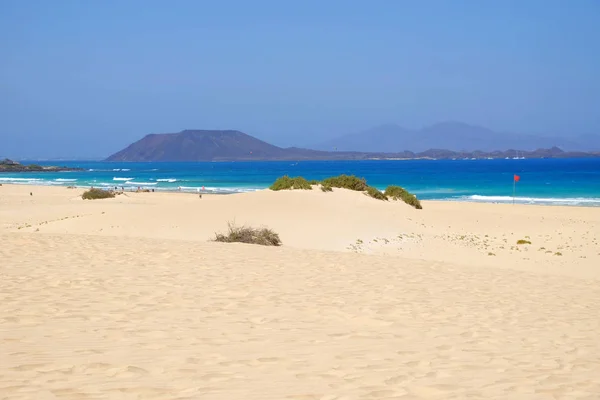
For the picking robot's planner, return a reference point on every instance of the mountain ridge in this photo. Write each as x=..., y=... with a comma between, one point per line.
x=233, y=145
x=451, y=135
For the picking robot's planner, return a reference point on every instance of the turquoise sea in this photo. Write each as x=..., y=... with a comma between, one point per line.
x=543, y=181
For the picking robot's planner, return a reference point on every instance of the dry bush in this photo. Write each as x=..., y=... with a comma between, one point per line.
x=245, y=234
x=94, y=194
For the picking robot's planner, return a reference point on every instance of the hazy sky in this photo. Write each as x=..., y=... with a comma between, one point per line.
x=85, y=78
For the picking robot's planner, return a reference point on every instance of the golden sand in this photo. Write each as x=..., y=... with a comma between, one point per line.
x=128, y=299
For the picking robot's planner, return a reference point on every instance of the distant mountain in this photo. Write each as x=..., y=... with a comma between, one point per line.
x=454, y=136
x=201, y=145
x=214, y=145
x=196, y=145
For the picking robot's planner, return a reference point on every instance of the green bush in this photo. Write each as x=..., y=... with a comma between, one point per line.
x=376, y=193
x=287, y=183
x=346, y=182
x=399, y=193
x=349, y=182
x=94, y=194
x=244, y=234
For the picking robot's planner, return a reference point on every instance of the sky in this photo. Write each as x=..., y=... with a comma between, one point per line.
x=83, y=79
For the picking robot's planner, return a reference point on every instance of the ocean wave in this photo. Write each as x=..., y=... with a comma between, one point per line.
x=122, y=179
x=217, y=190
x=20, y=180
x=449, y=191
x=170, y=180
x=591, y=201
x=65, y=180
x=140, y=183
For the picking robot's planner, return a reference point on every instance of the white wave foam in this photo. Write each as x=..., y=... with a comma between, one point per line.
x=122, y=179
x=65, y=180
x=218, y=190
x=140, y=183
x=125, y=169
x=20, y=179
x=170, y=180
x=534, y=200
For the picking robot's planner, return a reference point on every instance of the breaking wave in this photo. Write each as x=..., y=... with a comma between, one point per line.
x=570, y=201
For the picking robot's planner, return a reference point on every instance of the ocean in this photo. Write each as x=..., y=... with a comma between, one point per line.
x=543, y=181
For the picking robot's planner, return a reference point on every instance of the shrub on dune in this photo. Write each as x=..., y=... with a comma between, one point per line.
x=245, y=234
x=94, y=194
x=399, y=193
x=355, y=183
x=350, y=182
x=287, y=183
x=376, y=193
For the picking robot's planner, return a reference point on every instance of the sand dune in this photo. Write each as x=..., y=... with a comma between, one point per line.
x=465, y=233
x=127, y=299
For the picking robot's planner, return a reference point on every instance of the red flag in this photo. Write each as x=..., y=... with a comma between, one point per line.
x=517, y=178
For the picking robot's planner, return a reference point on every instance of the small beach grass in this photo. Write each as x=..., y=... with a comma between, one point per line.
x=350, y=182
x=376, y=193
x=95, y=194
x=399, y=193
x=249, y=235
x=288, y=183
x=523, y=241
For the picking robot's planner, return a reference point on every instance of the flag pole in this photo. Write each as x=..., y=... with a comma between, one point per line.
x=514, y=189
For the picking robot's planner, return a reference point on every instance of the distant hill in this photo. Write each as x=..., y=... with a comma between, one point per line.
x=203, y=145
x=11, y=166
x=455, y=136
x=213, y=145
x=194, y=145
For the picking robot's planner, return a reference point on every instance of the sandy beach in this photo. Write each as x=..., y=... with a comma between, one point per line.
x=128, y=298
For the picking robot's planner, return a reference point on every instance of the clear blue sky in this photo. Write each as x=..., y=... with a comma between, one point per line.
x=85, y=78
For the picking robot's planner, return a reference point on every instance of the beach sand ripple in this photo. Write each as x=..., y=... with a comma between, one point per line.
x=95, y=317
